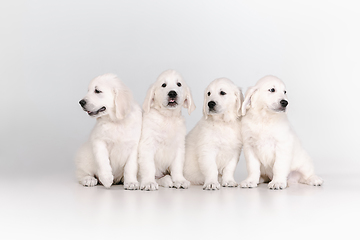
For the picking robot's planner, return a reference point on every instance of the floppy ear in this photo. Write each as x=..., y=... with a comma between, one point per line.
x=205, y=106
x=123, y=101
x=149, y=99
x=189, y=102
x=239, y=101
x=247, y=101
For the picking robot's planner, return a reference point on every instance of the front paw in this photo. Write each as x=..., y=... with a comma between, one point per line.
x=131, y=185
x=106, y=179
x=230, y=183
x=211, y=186
x=89, y=181
x=181, y=184
x=277, y=185
x=248, y=184
x=149, y=186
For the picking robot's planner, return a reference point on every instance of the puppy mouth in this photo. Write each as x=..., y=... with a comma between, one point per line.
x=95, y=112
x=172, y=103
x=280, y=109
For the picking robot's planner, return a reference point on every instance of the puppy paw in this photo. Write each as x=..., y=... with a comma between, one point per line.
x=89, y=181
x=230, y=183
x=106, y=179
x=277, y=185
x=182, y=184
x=248, y=184
x=131, y=185
x=211, y=186
x=165, y=182
x=149, y=186
x=314, y=181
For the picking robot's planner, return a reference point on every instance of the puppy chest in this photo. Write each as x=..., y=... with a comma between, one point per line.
x=265, y=150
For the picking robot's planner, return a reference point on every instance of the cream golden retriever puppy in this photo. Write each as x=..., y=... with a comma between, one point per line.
x=272, y=150
x=110, y=155
x=213, y=147
x=162, y=143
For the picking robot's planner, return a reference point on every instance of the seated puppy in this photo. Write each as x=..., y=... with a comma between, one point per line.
x=110, y=155
x=271, y=148
x=213, y=147
x=162, y=144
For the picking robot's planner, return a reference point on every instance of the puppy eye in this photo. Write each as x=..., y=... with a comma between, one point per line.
x=209, y=93
x=97, y=91
x=285, y=92
x=164, y=85
x=179, y=84
x=272, y=90
x=223, y=93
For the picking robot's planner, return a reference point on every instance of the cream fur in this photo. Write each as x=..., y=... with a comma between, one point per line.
x=162, y=144
x=110, y=155
x=213, y=147
x=272, y=149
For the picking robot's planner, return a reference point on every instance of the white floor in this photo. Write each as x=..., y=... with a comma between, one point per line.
x=57, y=207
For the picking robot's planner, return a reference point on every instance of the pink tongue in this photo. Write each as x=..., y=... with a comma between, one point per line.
x=172, y=100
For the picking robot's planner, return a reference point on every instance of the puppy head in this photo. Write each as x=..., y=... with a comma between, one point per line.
x=222, y=97
x=107, y=95
x=268, y=94
x=169, y=92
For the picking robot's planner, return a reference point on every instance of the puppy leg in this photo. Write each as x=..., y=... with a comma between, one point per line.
x=85, y=166
x=208, y=167
x=147, y=170
x=281, y=169
x=101, y=155
x=253, y=168
x=228, y=173
x=308, y=176
x=165, y=181
x=130, y=171
x=176, y=170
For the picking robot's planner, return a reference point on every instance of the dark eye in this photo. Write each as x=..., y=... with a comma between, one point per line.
x=223, y=93
x=179, y=84
x=209, y=93
x=164, y=85
x=285, y=92
x=97, y=91
x=272, y=90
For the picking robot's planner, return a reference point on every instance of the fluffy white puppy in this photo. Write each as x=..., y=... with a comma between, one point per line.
x=272, y=150
x=162, y=143
x=110, y=155
x=214, y=145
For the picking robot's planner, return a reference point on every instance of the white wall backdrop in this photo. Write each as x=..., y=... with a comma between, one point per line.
x=50, y=50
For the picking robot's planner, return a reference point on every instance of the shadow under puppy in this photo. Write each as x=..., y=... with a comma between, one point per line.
x=213, y=147
x=110, y=155
x=272, y=149
x=162, y=143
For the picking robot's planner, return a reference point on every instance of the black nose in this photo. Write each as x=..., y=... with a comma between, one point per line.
x=211, y=104
x=284, y=103
x=172, y=94
x=82, y=102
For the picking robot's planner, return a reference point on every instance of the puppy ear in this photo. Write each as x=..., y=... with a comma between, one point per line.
x=189, y=102
x=205, y=106
x=239, y=101
x=247, y=101
x=123, y=101
x=149, y=99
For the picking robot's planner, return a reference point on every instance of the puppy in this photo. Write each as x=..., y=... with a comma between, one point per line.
x=214, y=145
x=110, y=155
x=162, y=143
x=271, y=148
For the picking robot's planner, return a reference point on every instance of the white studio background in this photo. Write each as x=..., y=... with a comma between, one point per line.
x=50, y=50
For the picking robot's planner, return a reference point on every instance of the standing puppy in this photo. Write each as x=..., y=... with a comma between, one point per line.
x=271, y=148
x=162, y=144
x=110, y=155
x=213, y=147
